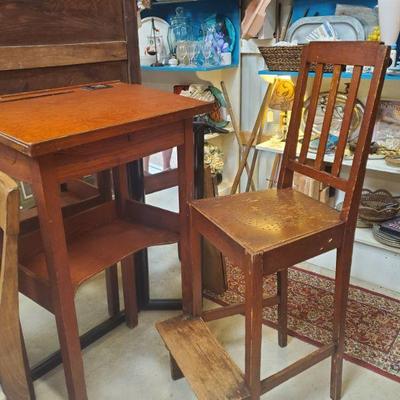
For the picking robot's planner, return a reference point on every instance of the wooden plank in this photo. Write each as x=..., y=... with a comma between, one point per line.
x=70, y=205
x=302, y=249
x=297, y=367
x=234, y=309
x=36, y=288
x=15, y=164
x=345, y=53
x=107, y=153
x=55, y=22
x=91, y=252
x=55, y=77
x=321, y=176
x=156, y=217
x=206, y=365
x=160, y=181
x=40, y=56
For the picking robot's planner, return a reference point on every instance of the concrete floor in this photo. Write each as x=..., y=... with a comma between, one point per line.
x=133, y=364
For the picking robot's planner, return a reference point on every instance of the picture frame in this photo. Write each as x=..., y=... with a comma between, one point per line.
x=387, y=126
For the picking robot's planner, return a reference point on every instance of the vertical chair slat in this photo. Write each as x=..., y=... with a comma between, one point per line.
x=286, y=175
x=330, y=108
x=347, y=118
x=360, y=159
x=319, y=70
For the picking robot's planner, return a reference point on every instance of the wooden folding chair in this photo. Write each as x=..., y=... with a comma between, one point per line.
x=267, y=232
x=14, y=371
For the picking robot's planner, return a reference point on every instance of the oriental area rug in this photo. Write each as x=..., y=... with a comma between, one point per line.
x=373, y=320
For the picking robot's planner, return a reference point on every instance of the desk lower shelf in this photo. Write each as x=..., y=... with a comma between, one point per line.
x=96, y=239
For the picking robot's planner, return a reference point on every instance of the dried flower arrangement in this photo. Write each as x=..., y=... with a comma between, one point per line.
x=214, y=158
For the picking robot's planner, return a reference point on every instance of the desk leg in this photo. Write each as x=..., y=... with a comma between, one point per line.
x=136, y=185
x=121, y=190
x=104, y=184
x=186, y=189
x=47, y=195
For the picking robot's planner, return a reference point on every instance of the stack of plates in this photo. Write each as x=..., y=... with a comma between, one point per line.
x=385, y=238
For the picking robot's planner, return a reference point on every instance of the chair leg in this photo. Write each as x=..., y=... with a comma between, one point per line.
x=112, y=291
x=14, y=373
x=343, y=267
x=129, y=289
x=197, y=283
x=26, y=366
x=282, y=283
x=253, y=315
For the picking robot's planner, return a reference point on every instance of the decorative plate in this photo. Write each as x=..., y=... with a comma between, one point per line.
x=337, y=116
x=145, y=31
x=347, y=28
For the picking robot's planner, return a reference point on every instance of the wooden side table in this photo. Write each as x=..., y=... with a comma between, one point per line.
x=51, y=136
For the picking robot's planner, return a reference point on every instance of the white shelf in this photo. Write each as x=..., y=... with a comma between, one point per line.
x=215, y=135
x=365, y=236
x=372, y=165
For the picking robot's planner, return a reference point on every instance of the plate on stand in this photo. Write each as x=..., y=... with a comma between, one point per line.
x=145, y=31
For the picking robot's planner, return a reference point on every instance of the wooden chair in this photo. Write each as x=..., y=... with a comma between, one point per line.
x=267, y=232
x=14, y=372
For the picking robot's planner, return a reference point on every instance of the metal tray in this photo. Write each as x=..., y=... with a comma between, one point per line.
x=347, y=28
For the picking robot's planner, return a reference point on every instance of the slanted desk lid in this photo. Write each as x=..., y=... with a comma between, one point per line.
x=38, y=123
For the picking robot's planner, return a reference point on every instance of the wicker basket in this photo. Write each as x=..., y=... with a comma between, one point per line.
x=393, y=161
x=286, y=58
x=378, y=206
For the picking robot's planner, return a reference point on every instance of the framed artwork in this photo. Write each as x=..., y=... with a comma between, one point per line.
x=387, y=127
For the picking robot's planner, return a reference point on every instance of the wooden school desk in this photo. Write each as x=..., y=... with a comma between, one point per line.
x=52, y=136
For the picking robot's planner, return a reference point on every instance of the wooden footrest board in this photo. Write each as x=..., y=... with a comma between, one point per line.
x=204, y=362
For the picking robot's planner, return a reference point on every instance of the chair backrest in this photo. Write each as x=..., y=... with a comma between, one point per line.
x=9, y=228
x=54, y=43
x=340, y=55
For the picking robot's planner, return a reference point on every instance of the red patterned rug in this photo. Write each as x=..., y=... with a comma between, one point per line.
x=373, y=320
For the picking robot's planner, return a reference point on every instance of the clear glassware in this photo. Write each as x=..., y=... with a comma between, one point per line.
x=181, y=52
x=180, y=29
x=207, y=51
x=191, y=52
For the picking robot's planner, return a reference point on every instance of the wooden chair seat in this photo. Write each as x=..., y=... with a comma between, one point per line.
x=260, y=221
